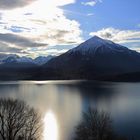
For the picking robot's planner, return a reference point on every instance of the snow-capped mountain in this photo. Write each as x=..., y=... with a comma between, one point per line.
x=16, y=59
x=96, y=44
x=42, y=59
x=8, y=59
x=25, y=60
x=13, y=67
x=92, y=59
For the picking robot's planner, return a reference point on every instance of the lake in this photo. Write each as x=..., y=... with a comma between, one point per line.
x=63, y=102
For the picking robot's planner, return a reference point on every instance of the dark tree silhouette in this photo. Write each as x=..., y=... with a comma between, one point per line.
x=95, y=126
x=18, y=121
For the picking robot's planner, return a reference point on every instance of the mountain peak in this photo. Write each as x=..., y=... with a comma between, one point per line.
x=96, y=37
x=98, y=41
x=97, y=44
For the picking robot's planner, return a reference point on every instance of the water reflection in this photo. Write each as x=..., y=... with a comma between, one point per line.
x=51, y=131
x=67, y=101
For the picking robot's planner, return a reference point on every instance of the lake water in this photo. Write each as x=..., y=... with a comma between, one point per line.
x=62, y=103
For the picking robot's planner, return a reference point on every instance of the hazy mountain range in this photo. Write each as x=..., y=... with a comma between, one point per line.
x=95, y=59
x=12, y=58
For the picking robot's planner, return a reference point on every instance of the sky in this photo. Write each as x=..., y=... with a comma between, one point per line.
x=43, y=27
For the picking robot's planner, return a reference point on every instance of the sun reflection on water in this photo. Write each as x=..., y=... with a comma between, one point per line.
x=50, y=127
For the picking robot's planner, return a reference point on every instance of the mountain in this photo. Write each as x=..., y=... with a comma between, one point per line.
x=25, y=60
x=42, y=59
x=12, y=58
x=13, y=67
x=9, y=59
x=96, y=58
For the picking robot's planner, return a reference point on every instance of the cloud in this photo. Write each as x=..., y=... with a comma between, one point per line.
x=138, y=25
x=19, y=40
x=45, y=52
x=5, y=48
x=90, y=14
x=117, y=35
x=56, y=51
x=91, y=3
x=54, y=30
x=28, y=27
x=10, y=4
x=136, y=49
x=61, y=2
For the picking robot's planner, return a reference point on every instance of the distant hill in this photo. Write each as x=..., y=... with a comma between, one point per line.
x=13, y=67
x=12, y=58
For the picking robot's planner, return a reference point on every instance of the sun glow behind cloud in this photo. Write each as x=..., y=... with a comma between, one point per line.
x=42, y=22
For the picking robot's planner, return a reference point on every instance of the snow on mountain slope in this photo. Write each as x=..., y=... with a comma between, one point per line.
x=16, y=59
x=94, y=58
x=94, y=44
x=42, y=59
x=25, y=60
x=10, y=59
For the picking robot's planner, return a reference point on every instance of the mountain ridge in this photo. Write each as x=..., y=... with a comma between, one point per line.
x=93, y=59
x=95, y=43
x=40, y=60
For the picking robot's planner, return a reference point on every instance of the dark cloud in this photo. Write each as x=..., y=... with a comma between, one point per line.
x=5, y=48
x=107, y=35
x=61, y=36
x=11, y=4
x=19, y=40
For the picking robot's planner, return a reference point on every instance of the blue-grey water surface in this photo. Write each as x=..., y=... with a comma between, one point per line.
x=62, y=103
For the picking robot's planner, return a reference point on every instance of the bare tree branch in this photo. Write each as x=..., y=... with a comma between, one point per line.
x=18, y=121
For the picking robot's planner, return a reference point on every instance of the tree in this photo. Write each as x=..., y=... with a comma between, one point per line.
x=95, y=126
x=18, y=121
